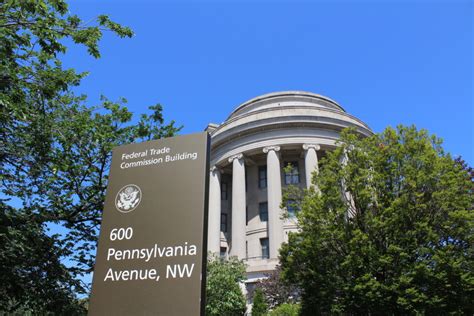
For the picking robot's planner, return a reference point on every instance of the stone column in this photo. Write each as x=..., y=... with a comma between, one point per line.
x=310, y=162
x=238, y=207
x=214, y=223
x=351, y=210
x=275, y=224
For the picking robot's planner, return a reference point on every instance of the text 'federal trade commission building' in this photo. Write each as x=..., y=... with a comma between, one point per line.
x=249, y=152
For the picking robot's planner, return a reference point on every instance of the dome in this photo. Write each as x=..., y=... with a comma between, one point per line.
x=285, y=98
x=288, y=118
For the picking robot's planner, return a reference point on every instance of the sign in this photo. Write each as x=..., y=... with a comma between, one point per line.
x=151, y=256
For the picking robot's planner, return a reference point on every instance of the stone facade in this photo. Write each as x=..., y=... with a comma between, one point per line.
x=248, y=153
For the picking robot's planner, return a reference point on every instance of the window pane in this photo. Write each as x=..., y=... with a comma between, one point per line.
x=223, y=252
x=291, y=208
x=224, y=223
x=263, y=211
x=223, y=191
x=262, y=177
x=292, y=176
x=265, y=248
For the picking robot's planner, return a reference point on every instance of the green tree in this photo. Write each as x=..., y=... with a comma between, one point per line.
x=32, y=278
x=55, y=154
x=223, y=294
x=286, y=309
x=391, y=231
x=259, y=307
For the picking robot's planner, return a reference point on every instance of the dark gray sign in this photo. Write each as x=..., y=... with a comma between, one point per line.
x=152, y=245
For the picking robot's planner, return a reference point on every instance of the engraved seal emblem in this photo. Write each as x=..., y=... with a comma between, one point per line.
x=128, y=198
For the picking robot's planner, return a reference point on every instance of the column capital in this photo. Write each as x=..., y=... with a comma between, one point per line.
x=238, y=156
x=269, y=148
x=215, y=169
x=308, y=146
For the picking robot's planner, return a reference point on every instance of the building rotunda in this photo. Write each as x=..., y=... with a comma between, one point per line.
x=249, y=152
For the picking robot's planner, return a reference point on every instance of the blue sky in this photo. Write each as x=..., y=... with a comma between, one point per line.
x=386, y=62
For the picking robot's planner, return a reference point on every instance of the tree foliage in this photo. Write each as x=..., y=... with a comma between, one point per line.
x=286, y=309
x=55, y=152
x=223, y=293
x=391, y=231
x=259, y=306
x=32, y=278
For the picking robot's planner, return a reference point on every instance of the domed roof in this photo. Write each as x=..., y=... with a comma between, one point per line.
x=287, y=118
x=276, y=99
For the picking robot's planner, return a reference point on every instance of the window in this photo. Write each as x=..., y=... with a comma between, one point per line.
x=263, y=211
x=250, y=287
x=246, y=249
x=223, y=252
x=262, y=177
x=292, y=208
x=265, y=248
x=223, y=191
x=224, y=223
x=292, y=174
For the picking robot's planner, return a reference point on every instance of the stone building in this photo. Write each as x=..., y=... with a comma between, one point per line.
x=248, y=154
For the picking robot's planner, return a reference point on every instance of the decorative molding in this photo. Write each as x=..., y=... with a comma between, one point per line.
x=215, y=169
x=318, y=114
x=268, y=148
x=254, y=146
x=238, y=156
x=260, y=230
x=308, y=146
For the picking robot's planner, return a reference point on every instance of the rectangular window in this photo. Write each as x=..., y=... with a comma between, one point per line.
x=224, y=223
x=265, y=248
x=292, y=208
x=246, y=250
x=223, y=252
x=262, y=177
x=292, y=176
x=224, y=191
x=263, y=211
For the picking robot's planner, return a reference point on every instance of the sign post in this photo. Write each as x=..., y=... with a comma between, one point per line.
x=151, y=257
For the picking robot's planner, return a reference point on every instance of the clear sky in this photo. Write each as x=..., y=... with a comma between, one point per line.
x=386, y=62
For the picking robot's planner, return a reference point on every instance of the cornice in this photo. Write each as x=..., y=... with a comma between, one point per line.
x=282, y=122
x=221, y=127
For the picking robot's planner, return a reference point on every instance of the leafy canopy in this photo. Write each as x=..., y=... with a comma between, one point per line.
x=259, y=306
x=32, y=278
x=55, y=153
x=223, y=293
x=286, y=309
x=390, y=230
